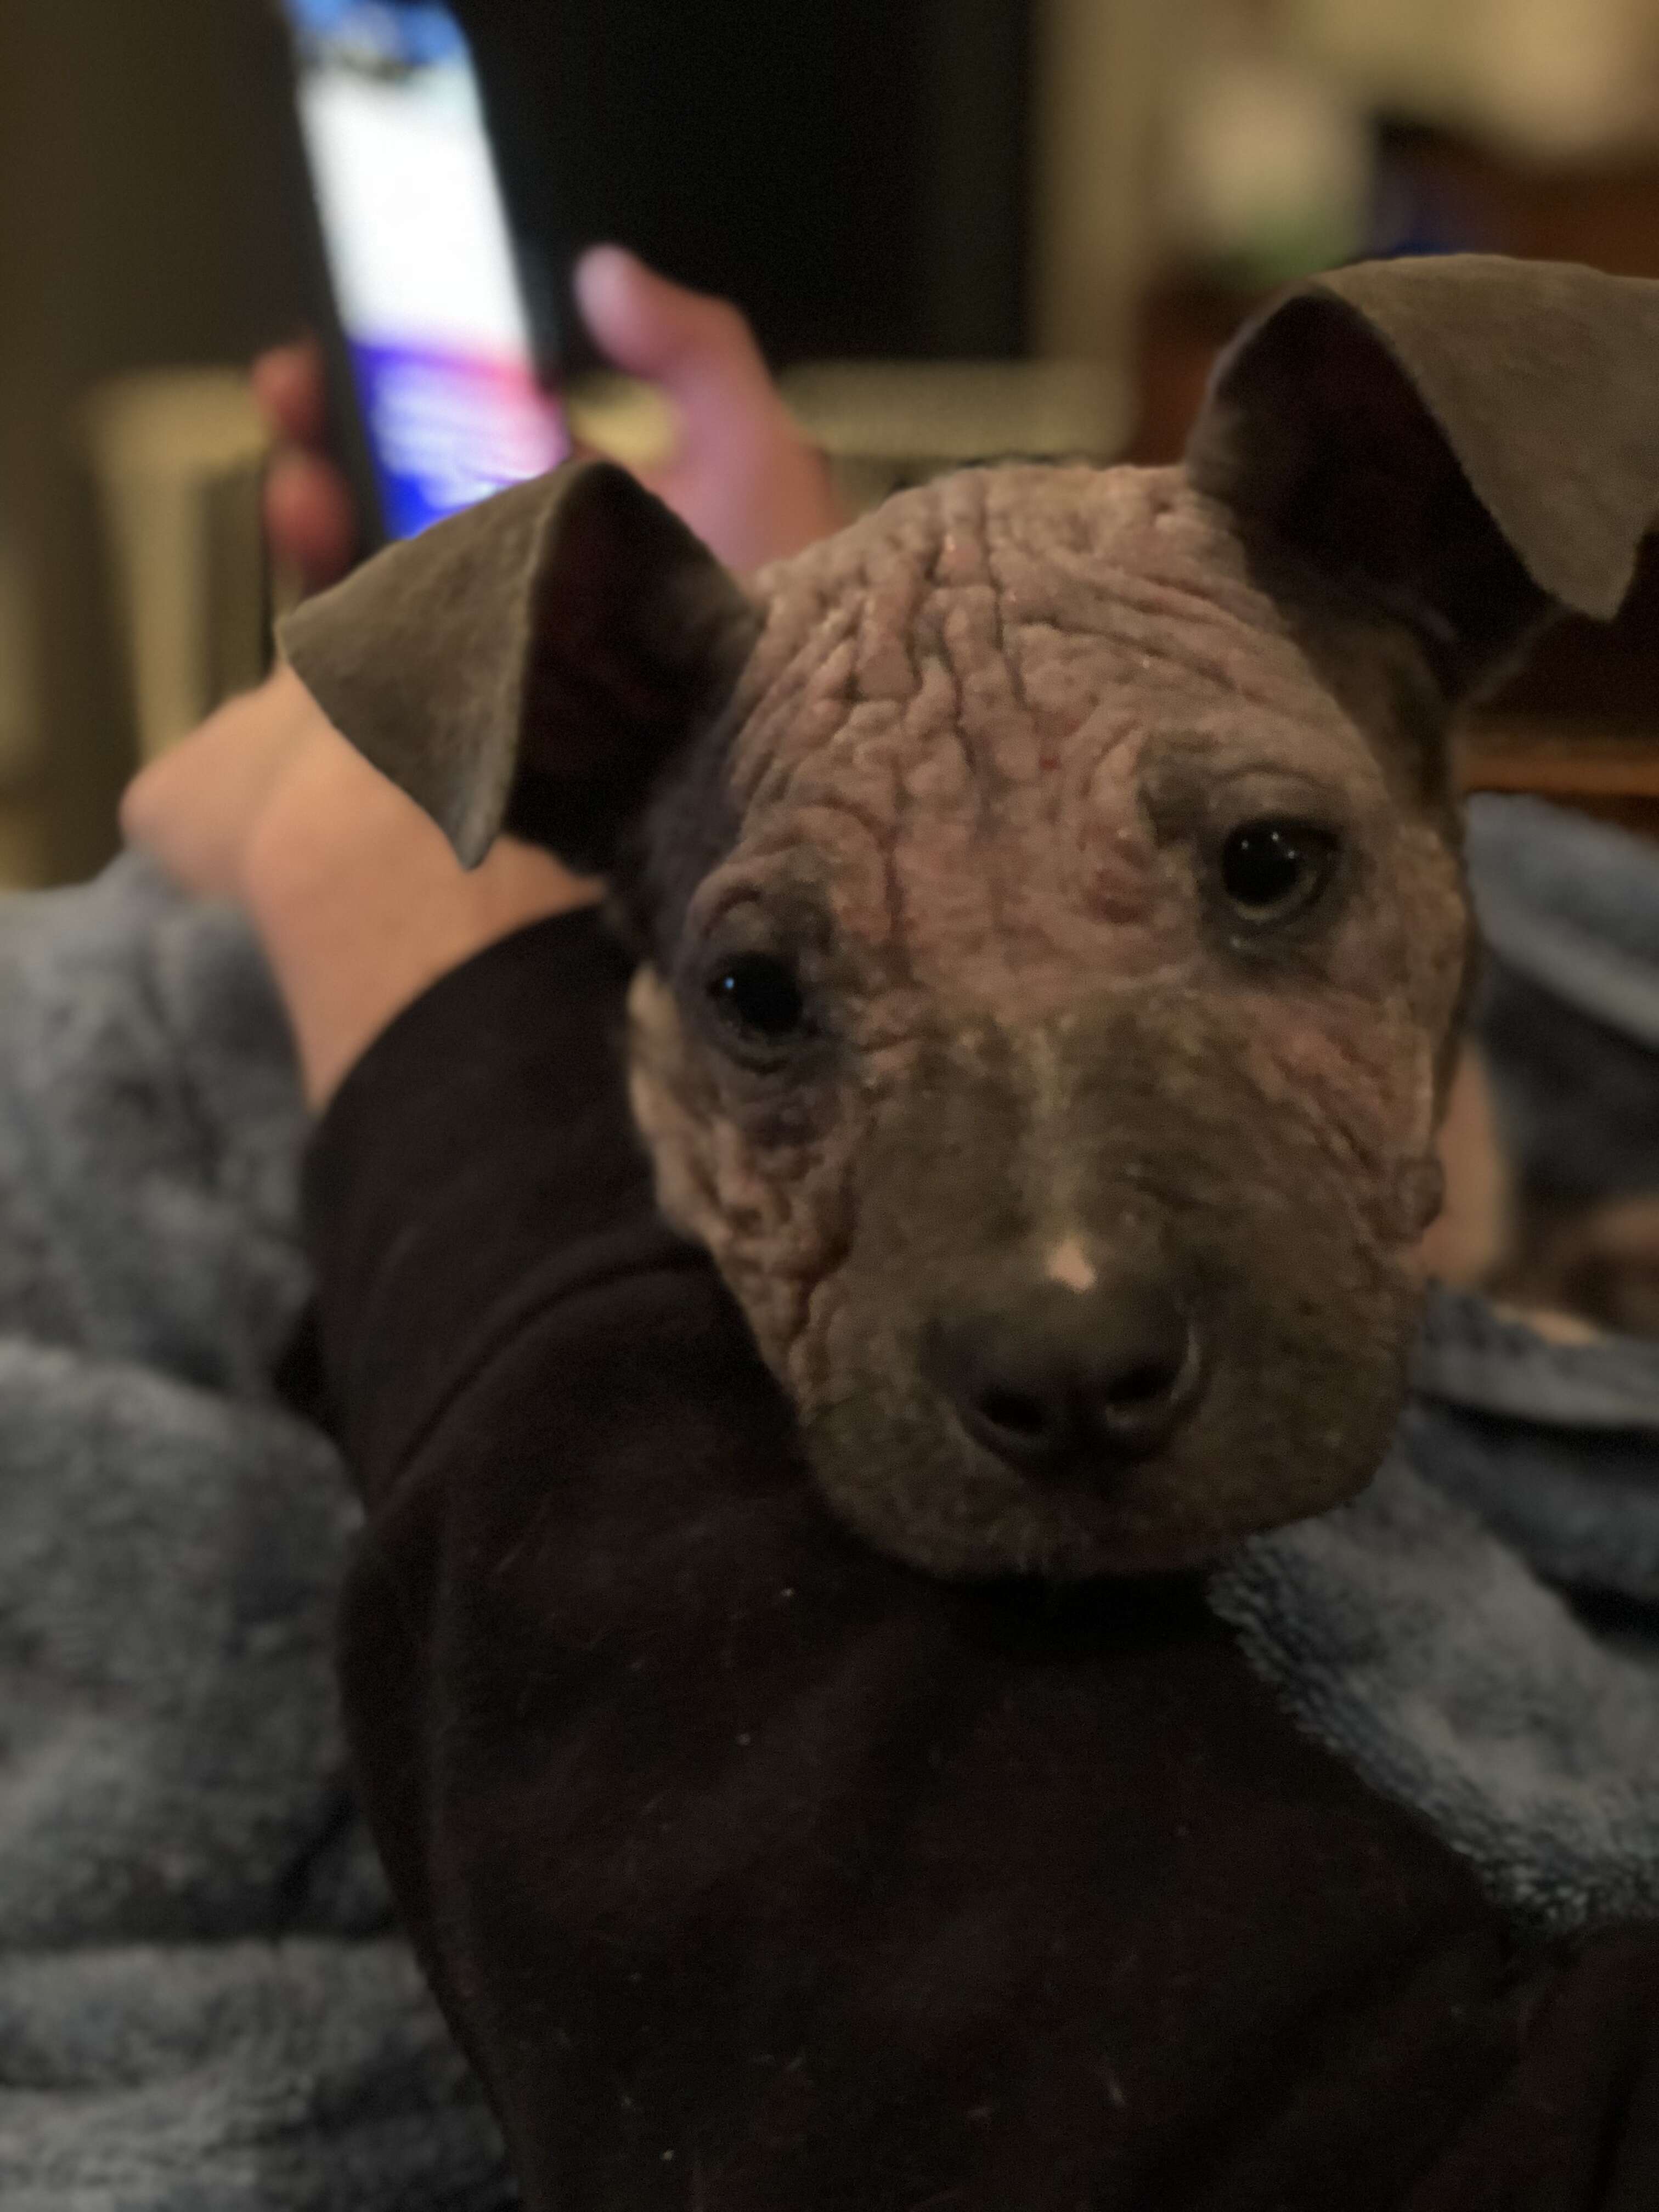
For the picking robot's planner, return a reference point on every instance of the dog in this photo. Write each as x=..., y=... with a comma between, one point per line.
x=1047, y=892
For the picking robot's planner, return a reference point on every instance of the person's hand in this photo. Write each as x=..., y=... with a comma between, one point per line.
x=359, y=900
x=309, y=521
x=741, y=474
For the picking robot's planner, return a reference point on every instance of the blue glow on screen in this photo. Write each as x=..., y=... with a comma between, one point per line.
x=417, y=35
x=421, y=257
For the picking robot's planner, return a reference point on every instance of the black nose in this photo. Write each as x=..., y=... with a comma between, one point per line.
x=1058, y=1381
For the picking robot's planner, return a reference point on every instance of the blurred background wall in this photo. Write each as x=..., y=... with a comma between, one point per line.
x=1109, y=182
x=141, y=223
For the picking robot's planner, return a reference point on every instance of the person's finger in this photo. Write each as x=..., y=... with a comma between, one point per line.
x=689, y=345
x=308, y=516
x=741, y=473
x=289, y=388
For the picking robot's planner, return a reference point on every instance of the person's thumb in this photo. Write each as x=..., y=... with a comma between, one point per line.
x=700, y=351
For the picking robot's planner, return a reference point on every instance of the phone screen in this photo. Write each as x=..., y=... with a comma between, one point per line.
x=420, y=257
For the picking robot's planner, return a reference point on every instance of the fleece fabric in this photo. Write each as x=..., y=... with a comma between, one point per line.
x=206, y=2005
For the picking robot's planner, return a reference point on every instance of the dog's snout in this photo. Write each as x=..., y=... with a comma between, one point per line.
x=1065, y=1383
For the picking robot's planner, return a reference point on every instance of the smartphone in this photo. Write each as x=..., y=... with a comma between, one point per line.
x=437, y=395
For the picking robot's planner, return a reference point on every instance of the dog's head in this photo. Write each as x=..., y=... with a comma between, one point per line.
x=1047, y=891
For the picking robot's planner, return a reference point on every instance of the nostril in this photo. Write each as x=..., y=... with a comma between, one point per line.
x=1069, y=1384
x=1134, y=1408
x=1008, y=1398
x=1142, y=1385
x=1016, y=1415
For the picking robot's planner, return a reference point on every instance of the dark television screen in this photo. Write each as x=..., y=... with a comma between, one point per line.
x=853, y=172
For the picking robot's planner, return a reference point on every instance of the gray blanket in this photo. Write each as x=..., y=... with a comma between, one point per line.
x=203, y=2005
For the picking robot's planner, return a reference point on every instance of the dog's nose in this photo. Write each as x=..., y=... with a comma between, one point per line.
x=1060, y=1383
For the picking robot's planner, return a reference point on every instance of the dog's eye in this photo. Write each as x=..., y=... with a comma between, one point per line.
x=757, y=994
x=1276, y=868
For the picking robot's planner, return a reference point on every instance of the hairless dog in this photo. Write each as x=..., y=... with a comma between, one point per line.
x=1047, y=891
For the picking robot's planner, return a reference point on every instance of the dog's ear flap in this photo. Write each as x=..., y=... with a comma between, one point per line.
x=530, y=663
x=1473, y=441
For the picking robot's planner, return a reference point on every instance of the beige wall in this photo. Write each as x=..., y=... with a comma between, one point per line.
x=1554, y=78
x=1102, y=69
x=134, y=152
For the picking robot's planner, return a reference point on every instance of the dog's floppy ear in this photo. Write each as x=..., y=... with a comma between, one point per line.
x=1473, y=441
x=530, y=663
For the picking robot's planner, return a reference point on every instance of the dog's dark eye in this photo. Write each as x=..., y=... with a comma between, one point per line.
x=1275, y=868
x=758, y=995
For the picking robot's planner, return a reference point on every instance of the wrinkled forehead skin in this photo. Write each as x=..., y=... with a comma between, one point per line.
x=974, y=784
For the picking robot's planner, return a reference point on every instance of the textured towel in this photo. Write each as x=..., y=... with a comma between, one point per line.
x=202, y=2002
x=1417, y=1638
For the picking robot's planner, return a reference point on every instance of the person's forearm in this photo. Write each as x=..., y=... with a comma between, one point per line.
x=361, y=906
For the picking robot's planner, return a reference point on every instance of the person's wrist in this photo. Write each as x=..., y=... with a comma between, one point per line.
x=324, y=820
x=361, y=906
